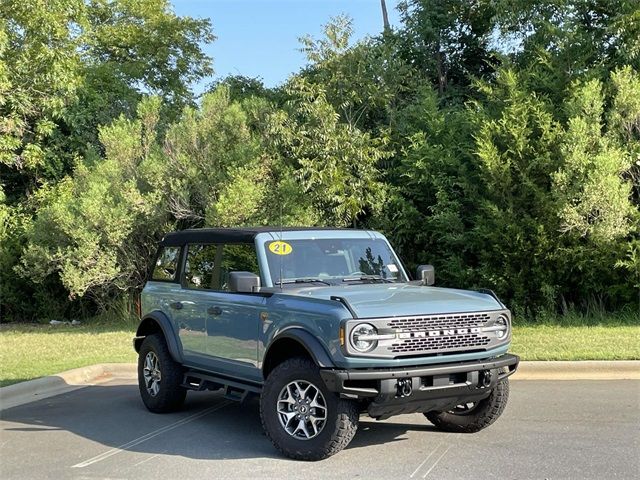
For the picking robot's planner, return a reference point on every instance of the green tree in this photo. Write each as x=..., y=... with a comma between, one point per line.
x=449, y=40
x=560, y=41
x=39, y=78
x=97, y=229
x=133, y=48
x=433, y=189
x=68, y=66
x=336, y=162
x=366, y=83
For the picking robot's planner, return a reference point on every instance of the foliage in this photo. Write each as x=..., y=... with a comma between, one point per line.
x=39, y=77
x=449, y=40
x=497, y=140
x=556, y=193
x=132, y=48
x=365, y=83
x=67, y=66
x=336, y=162
x=560, y=40
x=96, y=230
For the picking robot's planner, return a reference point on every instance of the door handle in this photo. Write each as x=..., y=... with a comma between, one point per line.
x=214, y=310
x=176, y=305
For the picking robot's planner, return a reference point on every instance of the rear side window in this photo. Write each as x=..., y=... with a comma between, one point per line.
x=166, y=265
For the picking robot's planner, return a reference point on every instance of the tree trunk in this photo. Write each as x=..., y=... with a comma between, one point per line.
x=385, y=16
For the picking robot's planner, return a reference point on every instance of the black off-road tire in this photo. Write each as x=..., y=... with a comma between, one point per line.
x=170, y=395
x=341, y=415
x=481, y=416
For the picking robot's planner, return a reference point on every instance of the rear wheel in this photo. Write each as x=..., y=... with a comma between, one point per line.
x=473, y=417
x=159, y=376
x=301, y=417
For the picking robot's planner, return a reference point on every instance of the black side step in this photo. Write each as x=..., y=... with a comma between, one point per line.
x=233, y=389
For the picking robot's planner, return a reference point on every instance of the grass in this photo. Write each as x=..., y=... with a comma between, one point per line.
x=557, y=342
x=573, y=336
x=30, y=351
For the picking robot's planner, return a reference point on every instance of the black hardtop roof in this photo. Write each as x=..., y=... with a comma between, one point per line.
x=228, y=235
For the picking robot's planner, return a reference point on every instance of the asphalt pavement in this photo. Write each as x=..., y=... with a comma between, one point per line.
x=550, y=430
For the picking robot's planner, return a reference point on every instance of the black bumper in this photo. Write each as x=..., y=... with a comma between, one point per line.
x=388, y=392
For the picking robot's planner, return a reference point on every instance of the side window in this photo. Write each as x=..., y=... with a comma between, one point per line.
x=166, y=265
x=200, y=267
x=237, y=258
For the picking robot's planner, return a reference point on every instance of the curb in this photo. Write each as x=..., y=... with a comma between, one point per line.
x=45, y=387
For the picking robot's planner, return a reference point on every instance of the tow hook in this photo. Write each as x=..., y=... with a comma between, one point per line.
x=485, y=378
x=404, y=387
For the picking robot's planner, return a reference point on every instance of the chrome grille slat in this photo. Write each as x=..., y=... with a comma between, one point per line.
x=443, y=343
x=440, y=321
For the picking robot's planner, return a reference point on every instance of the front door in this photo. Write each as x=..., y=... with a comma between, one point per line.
x=234, y=318
x=232, y=332
x=219, y=328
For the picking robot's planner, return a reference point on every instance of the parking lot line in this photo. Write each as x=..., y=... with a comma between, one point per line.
x=425, y=460
x=150, y=458
x=150, y=435
x=436, y=462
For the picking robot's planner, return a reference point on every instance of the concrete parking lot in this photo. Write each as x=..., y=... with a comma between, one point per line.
x=551, y=429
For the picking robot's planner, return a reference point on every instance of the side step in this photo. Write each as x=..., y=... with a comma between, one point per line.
x=233, y=389
x=231, y=393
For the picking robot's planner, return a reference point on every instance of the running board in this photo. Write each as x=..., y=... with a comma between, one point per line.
x=233, y=390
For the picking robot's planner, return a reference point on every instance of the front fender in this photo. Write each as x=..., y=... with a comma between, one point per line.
x=311, y=344
x=150, y=324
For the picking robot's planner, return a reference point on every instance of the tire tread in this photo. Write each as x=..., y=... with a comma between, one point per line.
x=492, y=408
x=172, y=394
x=347, y=415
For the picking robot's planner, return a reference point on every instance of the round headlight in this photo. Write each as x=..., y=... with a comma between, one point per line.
x=359, y=340
x=502, y=321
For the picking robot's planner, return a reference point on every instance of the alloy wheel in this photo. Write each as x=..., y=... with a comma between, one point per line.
x=152, y=374
x=302, y=409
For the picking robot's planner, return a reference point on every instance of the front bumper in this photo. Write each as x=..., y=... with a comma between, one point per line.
x=394, y=391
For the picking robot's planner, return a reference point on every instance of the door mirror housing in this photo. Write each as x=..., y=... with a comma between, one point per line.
x=243, y=282
x=426, y=274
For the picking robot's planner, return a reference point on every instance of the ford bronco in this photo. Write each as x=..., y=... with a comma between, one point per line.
x=324, y=325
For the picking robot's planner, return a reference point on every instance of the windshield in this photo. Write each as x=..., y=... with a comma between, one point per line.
x=332, y=261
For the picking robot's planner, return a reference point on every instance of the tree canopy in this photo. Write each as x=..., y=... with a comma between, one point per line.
x=497, y=140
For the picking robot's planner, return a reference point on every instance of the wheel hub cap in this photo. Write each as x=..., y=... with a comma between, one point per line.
x=302, y=409
x=151, y=374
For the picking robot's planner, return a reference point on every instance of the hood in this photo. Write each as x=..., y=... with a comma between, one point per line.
x=392, y=300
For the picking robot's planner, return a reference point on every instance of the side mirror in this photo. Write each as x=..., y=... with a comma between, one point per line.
x=426, y=274
x=243, y=282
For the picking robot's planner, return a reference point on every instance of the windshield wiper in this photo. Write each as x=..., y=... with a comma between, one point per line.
x=364, y=278
x=302, y=280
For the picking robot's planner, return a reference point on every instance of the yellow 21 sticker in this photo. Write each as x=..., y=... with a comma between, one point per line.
x=280, y=248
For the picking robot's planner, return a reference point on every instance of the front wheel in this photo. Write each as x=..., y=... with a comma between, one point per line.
x=301, y=417
x=473, y=417
x=159, y=376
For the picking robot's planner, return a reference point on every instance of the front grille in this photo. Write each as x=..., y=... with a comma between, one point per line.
x=439, y=343
x=459, y=320
x=443, y=343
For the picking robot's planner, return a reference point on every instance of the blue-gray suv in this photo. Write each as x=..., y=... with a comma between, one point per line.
x=324, y=325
